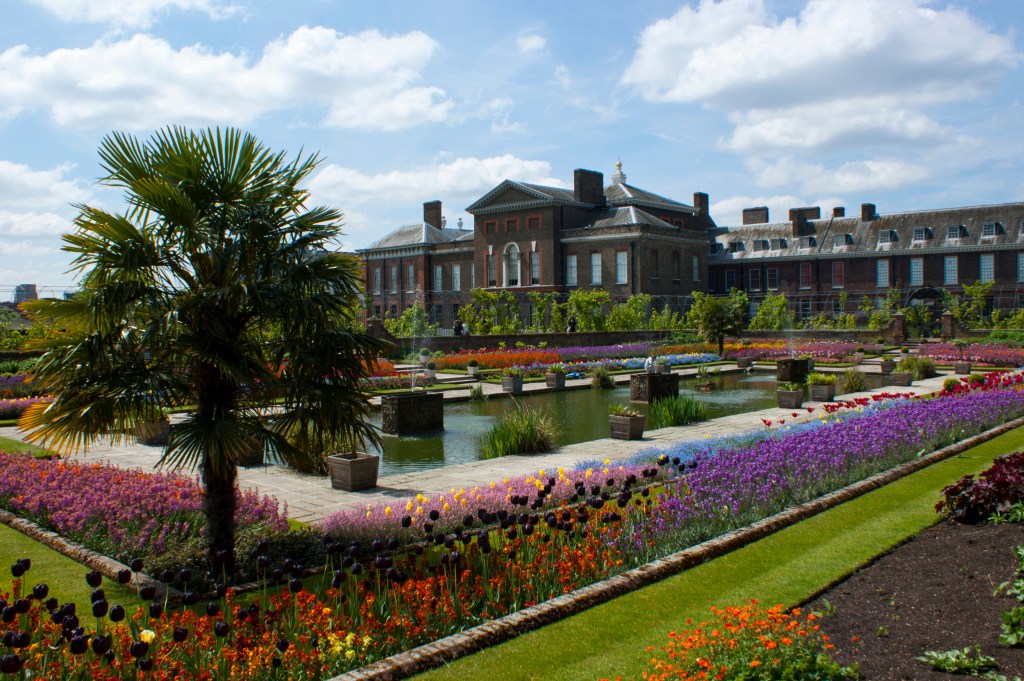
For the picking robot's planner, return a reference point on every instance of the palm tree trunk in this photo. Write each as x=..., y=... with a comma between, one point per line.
x=219, y=506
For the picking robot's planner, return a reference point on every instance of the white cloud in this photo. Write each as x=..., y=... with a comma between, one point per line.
x=838, y=71
x=460, y=179
x=850, y=177
x=729, y=211
x=25, y=189
x=130, y=13
x=33, y=225
x=531, y=44
x=367, y=80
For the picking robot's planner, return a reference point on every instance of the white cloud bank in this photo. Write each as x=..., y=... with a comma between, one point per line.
x=367, y=80
x=130, y=13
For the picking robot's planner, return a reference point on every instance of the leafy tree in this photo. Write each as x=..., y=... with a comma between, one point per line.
x=587, y=307
x=716, y=318
x=412, y=323
x=630, y=315
x=216, y=244
x=773, y=314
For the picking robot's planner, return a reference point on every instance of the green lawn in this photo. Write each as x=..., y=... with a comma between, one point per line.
x=788, y=567
x=9, y=445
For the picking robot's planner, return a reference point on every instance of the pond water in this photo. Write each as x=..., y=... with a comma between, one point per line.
x=579, y=415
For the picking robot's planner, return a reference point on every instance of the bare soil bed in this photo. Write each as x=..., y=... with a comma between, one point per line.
x=933, y=593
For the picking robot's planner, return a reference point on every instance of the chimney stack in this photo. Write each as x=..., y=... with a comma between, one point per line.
x=432, y=213
x=702, y=204
x=800, y=216
x=867, y=212
x=839, y=212
x=588, y=187
x=755, y=216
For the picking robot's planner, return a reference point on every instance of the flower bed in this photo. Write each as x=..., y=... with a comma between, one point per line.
x=17, y=385
x=823, y=350
x=14, y=408
x=992, y=354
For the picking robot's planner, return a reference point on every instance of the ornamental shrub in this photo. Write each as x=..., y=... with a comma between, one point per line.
x=973, y=500
x=520, y=431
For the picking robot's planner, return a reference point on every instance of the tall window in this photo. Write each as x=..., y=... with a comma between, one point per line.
x=805, y=275
x=595, y=269
x=438, y=278
x=492, y=271
x=917, y=271
x=805, y=309
x=695, y=267
x=620, y=267
x=512, y=265
x=410, y=278
x=882, y=273
x=376, y=280
x=772, y=278
x=534, y=268
x=950, y=276
x=987, y=270
x=472, y=276
x=394, y=278
x=456, y=277
x=730, y=280
x=654, y=264
x=570, y=270
x=754, y=277
x=838, y=274
x=1020, y=267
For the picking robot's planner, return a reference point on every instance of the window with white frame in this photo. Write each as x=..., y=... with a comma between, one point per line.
x=534, y=268
x=492, y=271
x=713, y=248
x=886, y=236
x=841, y=241
x=754, y=280
x=950, y=276
x=1020, y=267
x=805, y=275
x=472, y=276
x=761, y=245
x=988, y=229
x=920, y=234
x=394, y=278
x=805, y=309
x=410, y=277
x=954, y=232
x=438, y=278
x=882, y=273
x=838, y=274
x=779, y=244
x=916, y=271
x=735, y=246
x=570, y=270
x=808, y=242
x=595, y=269
x=376, y=280
x=456, y=277
x=695, y=268
x=772, y=278
x=730, y=280
x=987, y=267
x=512, y=265
x=621, y=274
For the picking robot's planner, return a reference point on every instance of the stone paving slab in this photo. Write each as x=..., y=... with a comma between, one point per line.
x=310, y=498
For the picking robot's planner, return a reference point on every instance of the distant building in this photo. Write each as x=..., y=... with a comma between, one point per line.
x=23, y=292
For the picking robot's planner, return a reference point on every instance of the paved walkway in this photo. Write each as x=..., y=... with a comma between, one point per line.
x=311, y=498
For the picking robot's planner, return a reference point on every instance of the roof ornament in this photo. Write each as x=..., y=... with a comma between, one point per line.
x=460, y=223
x=619, y=177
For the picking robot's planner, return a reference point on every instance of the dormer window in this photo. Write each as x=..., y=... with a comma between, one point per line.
x=807, y=242
x=989, y=229
x=841, y=241
x=714, y=248
x=921, y=234
x=886, y=236
x=761, y=245
x=779, y=244
x=954, y=232
x=735, y=246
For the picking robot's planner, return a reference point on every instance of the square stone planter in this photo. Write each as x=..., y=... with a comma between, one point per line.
x=791, y=370
x=473, y=372
x=413, y=412
x=662, y=369
x=823, y=393
x=513, y=385
x=902, y=378
x=626, y=427
x=744, y=362
x=153, y=433
x=353, y=471
x=961, y=368
x=650, y=387
x=556, y=381
x=858, y=357
x=888, y=366
x=790, y=399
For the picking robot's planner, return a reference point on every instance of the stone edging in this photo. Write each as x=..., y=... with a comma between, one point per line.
x=108, y=567
x=450, y=648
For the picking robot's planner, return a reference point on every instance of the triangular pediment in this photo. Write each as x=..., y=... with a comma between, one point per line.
x=511, y=193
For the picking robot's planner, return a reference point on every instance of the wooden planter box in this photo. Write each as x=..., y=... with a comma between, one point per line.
x=662, y=369
x=513, y=385
x=888, y=366
x=556, y=381
x=744, y=362
x=961, y=368
x=790, y=399
x=823, y=393
x=626, y=427
x=902, y=378
x=353, y=472
x=412, y=412
x=791, y=370
x=153, y=433
x=650, y=387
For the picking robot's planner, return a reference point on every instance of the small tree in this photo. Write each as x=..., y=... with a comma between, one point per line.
x=773, y=314
x=717, y=318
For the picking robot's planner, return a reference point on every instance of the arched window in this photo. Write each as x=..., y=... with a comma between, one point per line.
x=512, y=265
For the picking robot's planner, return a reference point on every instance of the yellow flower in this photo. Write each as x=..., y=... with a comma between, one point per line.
x=326, y=611
x=419, y=510
x=419, y=498
x=590, y=471
x=446, y=507
x=408, y=507
x=147, y=635
x=387, y=510
x=607, y=461
x=540, y=472
x=504, y=480
x=492, y=485
x=369, y=513
x=350, y=654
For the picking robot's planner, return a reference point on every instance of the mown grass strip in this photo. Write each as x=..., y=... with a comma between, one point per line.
x=788, y=567
x=9, y=445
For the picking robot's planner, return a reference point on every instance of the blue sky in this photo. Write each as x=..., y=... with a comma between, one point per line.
x=906, y=104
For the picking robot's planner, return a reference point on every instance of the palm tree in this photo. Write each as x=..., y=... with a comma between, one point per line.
x=215, y=289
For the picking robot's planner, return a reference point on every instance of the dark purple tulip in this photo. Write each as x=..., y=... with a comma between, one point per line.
x=40, y=591
x=167, y=576
x=26, y=563
x=139, y=649
x=100, y=608
x=22, y=605
x=277, y=574
x=406, y=521
x=212, y=609
x=179, y=635
x=282, y=645
x=220, y=628
x=100, y=644
x=222, y=557
x=10, y=664
x=93, y=579
x=146, y=664
x=17, y=570
x=262, y=547
x=125, y=576
x=295, y=585
x=78, y=645
x=190, y=598
x=68, y=609
x=147, y=592
x=97, y=595
x=8, y=638
x=357, y=568
x=23, y=640
x=263, y=562
x=434, y=514
x=117, y=613
x=222, y=590
x=156, y=609
x=136, y=565
x=8, y=614
x=51, y=603
x=69, y=621
x=185, y=576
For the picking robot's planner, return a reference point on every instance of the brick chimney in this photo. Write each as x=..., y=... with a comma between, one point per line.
x=839, y=212
x=867, y=212
x=702, y=204
x=800, y=216
x=432, y=213
x=588, y=186
x=755, y=216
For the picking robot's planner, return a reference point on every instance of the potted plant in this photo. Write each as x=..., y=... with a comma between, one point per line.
x=424, y=356
x=823, y=386
x=961, y=366
x=473, y=367
x=704, y=382
x=887, y=366
x=744, y=362
x=904, y=375
x=790, y=395
x=155, y=431
x=555, y=376
x=353, y=470
x=430, y=370
x=512, y=380
x=858, y=354
x=625, y=423
x=810, y=360
x=661, y=366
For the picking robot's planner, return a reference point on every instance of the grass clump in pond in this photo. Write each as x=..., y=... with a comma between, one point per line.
x=520, y=431
x=477, y=394
x=677, y=410
x=852, y=382
x=601, y=378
